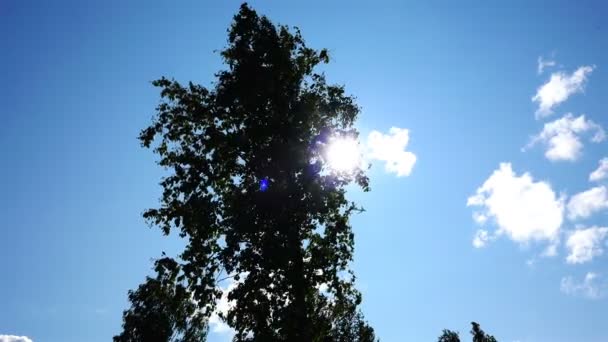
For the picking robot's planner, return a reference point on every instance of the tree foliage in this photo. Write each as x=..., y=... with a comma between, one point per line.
x=476, y=332
x=162, y=310
x=448, y=336
x=250, y=191
x=479, y=335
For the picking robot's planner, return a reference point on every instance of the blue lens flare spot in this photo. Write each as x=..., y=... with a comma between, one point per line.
x=264, y=184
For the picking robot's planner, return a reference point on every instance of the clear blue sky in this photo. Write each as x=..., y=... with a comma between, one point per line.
x=459, y=76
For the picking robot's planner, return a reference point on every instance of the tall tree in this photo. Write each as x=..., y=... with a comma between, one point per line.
x=250, y=190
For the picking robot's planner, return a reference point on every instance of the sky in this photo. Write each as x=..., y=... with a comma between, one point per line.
x=484, y=122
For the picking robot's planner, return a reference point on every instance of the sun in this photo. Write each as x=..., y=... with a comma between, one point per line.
x=343, y=154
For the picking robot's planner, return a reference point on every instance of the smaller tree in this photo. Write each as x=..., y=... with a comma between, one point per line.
x=479, y=335
x=449, y=336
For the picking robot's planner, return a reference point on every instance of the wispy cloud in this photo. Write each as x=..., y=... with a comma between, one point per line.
x=13, y=338
x=585, y=244
x=591, y=287
x=601, y=172
x=391, y=149
x=523, y=209
x=586, y=203
x=544, y=63
x=559, y=88
x=562, y=137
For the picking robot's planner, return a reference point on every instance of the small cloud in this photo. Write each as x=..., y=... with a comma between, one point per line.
x=551, y=250
x=601, y=172
x=591, y=287
x=585, y=244
x=559, y=88
x=562, y=137
x=391, y=148
x=544, y=63
x=523, y=209
x=481, y=238
x=479, y=218
x=586, y=203
x=13, y=338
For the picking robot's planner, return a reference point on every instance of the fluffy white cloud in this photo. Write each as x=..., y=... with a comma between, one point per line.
x=562, y=137
x=592, y=286
x=559, y=87
x=481, y=238
x=522, y=209
x=585, y=244
x=601, y=172
x=544, y=63
x=13, y=338
x=390, y=148
x=585, y=203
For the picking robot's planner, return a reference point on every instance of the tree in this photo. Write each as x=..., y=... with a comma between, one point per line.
x=162, y=310
x=250, y=190
x=479, y=335
x=449, y=336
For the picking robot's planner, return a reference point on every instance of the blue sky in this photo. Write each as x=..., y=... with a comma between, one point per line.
x=460, y=77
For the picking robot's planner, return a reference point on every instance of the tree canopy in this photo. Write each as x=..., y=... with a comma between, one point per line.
x=250, y=191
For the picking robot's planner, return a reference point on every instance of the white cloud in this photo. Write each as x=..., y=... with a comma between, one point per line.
x=479, y=218
x=217, y=325
x=522, y=209
x=585, y=244
x=481, y=238
x=562, y=137
x=559, y=87
x=544, y=63
x=390, y=148
x=13, y=338
x=591, y=287
x=584, y=204
x=601, y=172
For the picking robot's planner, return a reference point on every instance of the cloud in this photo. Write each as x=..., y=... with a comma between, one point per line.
x=216, y=323
x=481, y=238
x=522, y=209
x=592, y=286
x=601, y=172
x=479, y=218
x=13, y=338
x=544, y=63
x=390, y=148
x=585, y=244
x=551, y=250
x=559, y=87
x=562, y=137
x=584, y=204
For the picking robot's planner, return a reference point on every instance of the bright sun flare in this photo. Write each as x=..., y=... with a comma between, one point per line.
x=343, y=154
